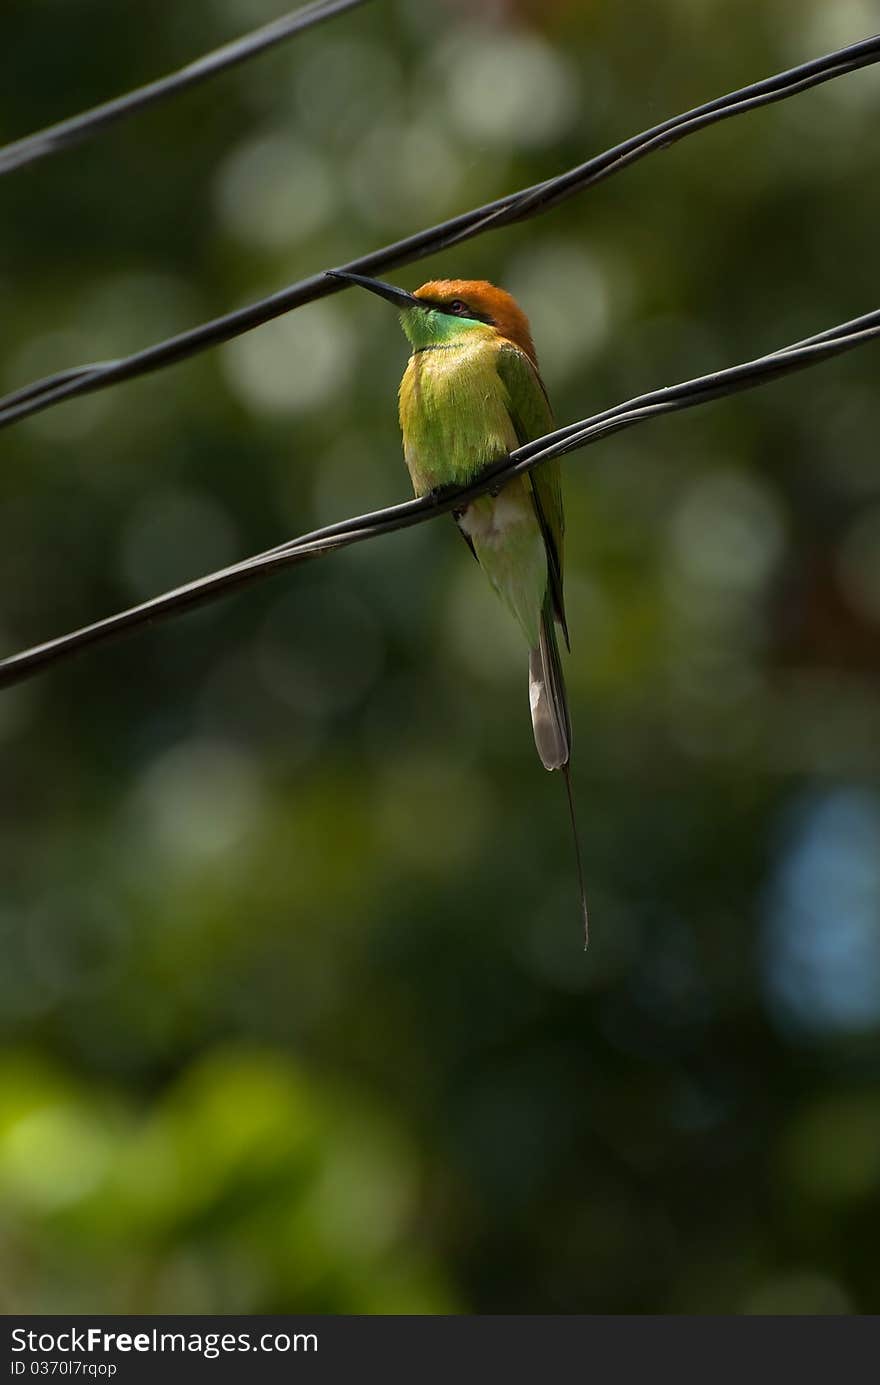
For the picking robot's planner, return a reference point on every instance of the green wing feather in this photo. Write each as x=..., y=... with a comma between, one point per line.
x=531, y=416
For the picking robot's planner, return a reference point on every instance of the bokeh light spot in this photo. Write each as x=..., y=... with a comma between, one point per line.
x=294, y=363
x=820, y=947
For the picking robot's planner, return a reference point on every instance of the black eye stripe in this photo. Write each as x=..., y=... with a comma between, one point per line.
x=448, y=309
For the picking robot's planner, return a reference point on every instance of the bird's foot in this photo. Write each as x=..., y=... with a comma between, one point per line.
x=498, y=485
x=437, y=494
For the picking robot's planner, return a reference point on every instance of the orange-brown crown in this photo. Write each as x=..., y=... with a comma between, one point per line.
x=500, y=309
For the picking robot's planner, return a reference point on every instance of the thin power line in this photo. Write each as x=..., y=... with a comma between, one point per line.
x=77, y=128
x=519, y=206
x=799, y=356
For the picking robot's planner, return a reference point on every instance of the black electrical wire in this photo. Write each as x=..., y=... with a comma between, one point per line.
x=77, y=128
x=68, y=384
x=715, y=385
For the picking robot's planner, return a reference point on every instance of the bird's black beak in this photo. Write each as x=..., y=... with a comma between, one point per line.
x=390, y=292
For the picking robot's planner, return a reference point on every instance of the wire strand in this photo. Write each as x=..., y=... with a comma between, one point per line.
x=79, y=380
x=672, y=398
x=55, y=138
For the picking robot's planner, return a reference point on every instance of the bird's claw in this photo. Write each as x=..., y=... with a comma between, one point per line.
x=437, y=494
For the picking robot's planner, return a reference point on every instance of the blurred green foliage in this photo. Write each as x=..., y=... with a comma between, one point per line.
x=294, y=1010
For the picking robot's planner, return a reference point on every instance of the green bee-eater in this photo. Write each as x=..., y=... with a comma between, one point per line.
x=471, y=393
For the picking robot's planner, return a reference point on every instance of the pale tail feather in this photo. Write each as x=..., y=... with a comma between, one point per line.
x=547, y=699
x=552, y=727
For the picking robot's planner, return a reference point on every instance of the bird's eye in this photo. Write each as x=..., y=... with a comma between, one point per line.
x=457, y=306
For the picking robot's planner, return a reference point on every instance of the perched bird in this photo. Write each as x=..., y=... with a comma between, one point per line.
x=470, y=394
